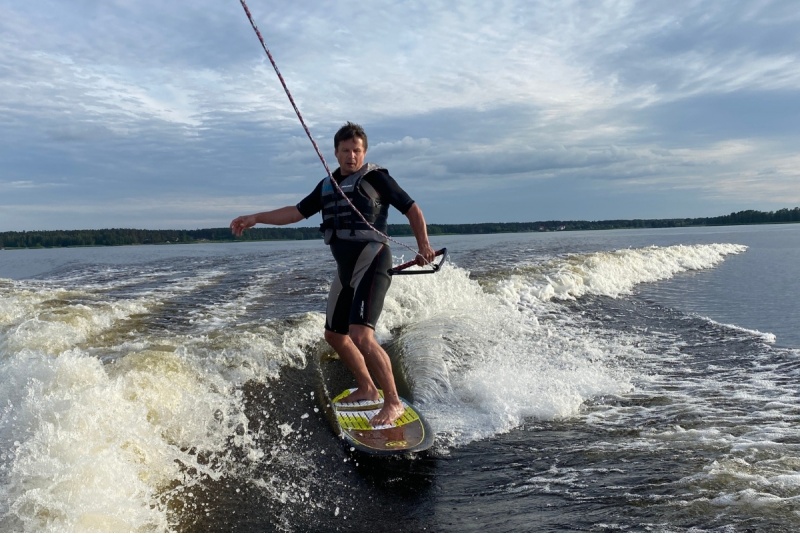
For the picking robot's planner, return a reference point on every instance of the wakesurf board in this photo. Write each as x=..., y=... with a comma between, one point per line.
x=351, y=421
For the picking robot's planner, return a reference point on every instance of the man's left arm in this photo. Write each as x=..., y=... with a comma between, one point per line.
x=417, y=221
x=391, y=192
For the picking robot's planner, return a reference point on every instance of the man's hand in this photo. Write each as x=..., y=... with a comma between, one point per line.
x=240, y=224
x=425, y=255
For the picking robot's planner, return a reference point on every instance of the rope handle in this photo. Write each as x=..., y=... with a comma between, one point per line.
x=434, y=267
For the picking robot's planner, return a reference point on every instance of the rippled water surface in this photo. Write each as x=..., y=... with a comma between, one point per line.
x=577, y=381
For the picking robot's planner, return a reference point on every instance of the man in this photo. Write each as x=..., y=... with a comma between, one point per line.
x=362, y=258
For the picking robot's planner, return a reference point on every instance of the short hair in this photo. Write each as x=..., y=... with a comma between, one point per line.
x=350, y=131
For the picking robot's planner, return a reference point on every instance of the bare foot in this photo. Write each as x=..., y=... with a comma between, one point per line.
x=361, y=394
x=390, y=413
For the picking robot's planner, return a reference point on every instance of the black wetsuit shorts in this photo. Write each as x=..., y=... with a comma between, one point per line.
x=360, y=284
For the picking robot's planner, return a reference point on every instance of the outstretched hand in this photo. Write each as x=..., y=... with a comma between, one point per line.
x=240, y=224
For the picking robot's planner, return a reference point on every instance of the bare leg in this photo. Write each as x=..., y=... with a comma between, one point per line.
x=354, y=361
x=379, y=364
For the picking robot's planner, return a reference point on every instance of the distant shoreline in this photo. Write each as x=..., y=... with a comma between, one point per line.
x=124, y=236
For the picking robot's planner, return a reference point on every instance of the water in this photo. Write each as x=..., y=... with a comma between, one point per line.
x=579, y=381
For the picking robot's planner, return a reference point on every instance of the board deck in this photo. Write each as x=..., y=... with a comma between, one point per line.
x=350, y=421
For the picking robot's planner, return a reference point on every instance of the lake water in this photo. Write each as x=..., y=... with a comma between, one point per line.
x=633, y=380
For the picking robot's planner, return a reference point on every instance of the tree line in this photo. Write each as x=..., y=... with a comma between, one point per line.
x=124, y=236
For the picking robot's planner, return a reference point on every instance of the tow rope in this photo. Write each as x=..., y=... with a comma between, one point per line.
x=397, y=270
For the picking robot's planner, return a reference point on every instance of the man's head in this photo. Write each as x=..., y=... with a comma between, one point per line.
x=350, y=131
x=350, y=143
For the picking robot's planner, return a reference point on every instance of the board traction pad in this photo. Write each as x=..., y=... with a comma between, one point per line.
x=359, y=420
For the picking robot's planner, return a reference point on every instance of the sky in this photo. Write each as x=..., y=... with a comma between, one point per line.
x=168, y=115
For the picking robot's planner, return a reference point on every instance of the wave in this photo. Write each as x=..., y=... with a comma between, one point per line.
x=483, y=357
x=617, y=272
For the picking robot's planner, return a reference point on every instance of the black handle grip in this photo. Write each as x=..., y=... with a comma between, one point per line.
x=434, y=267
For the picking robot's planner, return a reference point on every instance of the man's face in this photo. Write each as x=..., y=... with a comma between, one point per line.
x=350, y=154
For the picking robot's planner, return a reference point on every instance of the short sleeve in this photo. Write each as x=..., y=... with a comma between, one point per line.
x=312, y=203
x=389, y=190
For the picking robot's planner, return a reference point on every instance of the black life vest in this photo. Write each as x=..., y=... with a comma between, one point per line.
x=339, y=219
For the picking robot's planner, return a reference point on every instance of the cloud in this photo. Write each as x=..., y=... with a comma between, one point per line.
x=467, y=105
